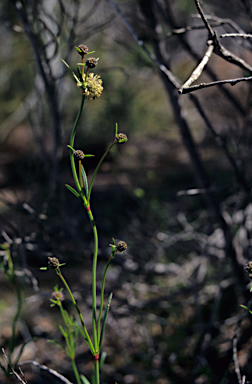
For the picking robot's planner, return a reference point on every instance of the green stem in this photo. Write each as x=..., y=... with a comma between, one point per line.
x=96, y=372
x=88, y=340
x=105, y=319
x=97, y=168
x=102, y=296
x=75, y=176
x=95, y=255
x=76, y=371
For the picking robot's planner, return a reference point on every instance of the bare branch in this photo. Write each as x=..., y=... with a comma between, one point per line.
x=45, y=368
x=207, y=85
x=243, y=35
x=222, y=21
x=204, y=19
x=21, y=379
x=229, y=56
x=235, y=358
x=198, y=70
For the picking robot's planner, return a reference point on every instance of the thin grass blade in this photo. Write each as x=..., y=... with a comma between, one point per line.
x=72, y=190
x=105, y=319
x=84, y=177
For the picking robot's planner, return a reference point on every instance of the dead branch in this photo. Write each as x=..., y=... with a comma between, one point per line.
x=45, y=368
x=21, y=379
x=198, y=70
x=207, y=85
x=243, y=35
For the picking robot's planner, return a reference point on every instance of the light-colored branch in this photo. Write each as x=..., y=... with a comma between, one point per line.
x=207, y=85
x=243, y=35
x=45, y=368
x=198, y=70
x=21, y=379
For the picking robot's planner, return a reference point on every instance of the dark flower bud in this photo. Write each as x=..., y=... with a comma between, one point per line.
x=83, y=49
x=79, y=155
x=248, y=269
x=121, y=138
x=91, y=62
x=53, y=262
x=121, y=246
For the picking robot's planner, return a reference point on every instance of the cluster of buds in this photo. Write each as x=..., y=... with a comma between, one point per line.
x=121, y=246
x=82, y=49
x=78, y=154
x=121, y=138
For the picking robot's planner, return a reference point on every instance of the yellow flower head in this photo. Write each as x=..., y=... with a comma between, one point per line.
x=93, y=86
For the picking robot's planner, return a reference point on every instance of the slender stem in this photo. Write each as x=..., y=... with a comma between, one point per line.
x=96, y=372
x=102, y=296
x=75, y=176
x=88, y=340
x=105, y=319
x=95, y=255
x=97, y=168
x=80, y=175
x=76, y=371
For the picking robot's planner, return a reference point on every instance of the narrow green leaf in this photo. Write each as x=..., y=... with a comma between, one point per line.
x=22, y=349
x=81, y=64
x=85, y=338
x=243, y=306
x=64, y=333
x=72, y=190
x=84, y=379
x=102, y=359
x=72, y=149
x=105, y=319
x=80, y=74
x=55, y=342
x=74, y=75
x=116, y=132
x=84, y=177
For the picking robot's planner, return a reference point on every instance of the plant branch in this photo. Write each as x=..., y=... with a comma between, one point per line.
x=183, y=90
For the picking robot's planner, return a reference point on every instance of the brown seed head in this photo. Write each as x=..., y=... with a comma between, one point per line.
x=91, y=62
x=121, y=246
x=79, y=155
x=84, y=49
x=53, y=262
x=121, y=138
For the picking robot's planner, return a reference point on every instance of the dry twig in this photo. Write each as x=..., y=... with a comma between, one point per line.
x=21, y=379
x=45, y=368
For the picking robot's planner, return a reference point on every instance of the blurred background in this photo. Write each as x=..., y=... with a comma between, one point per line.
x=178, y=192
